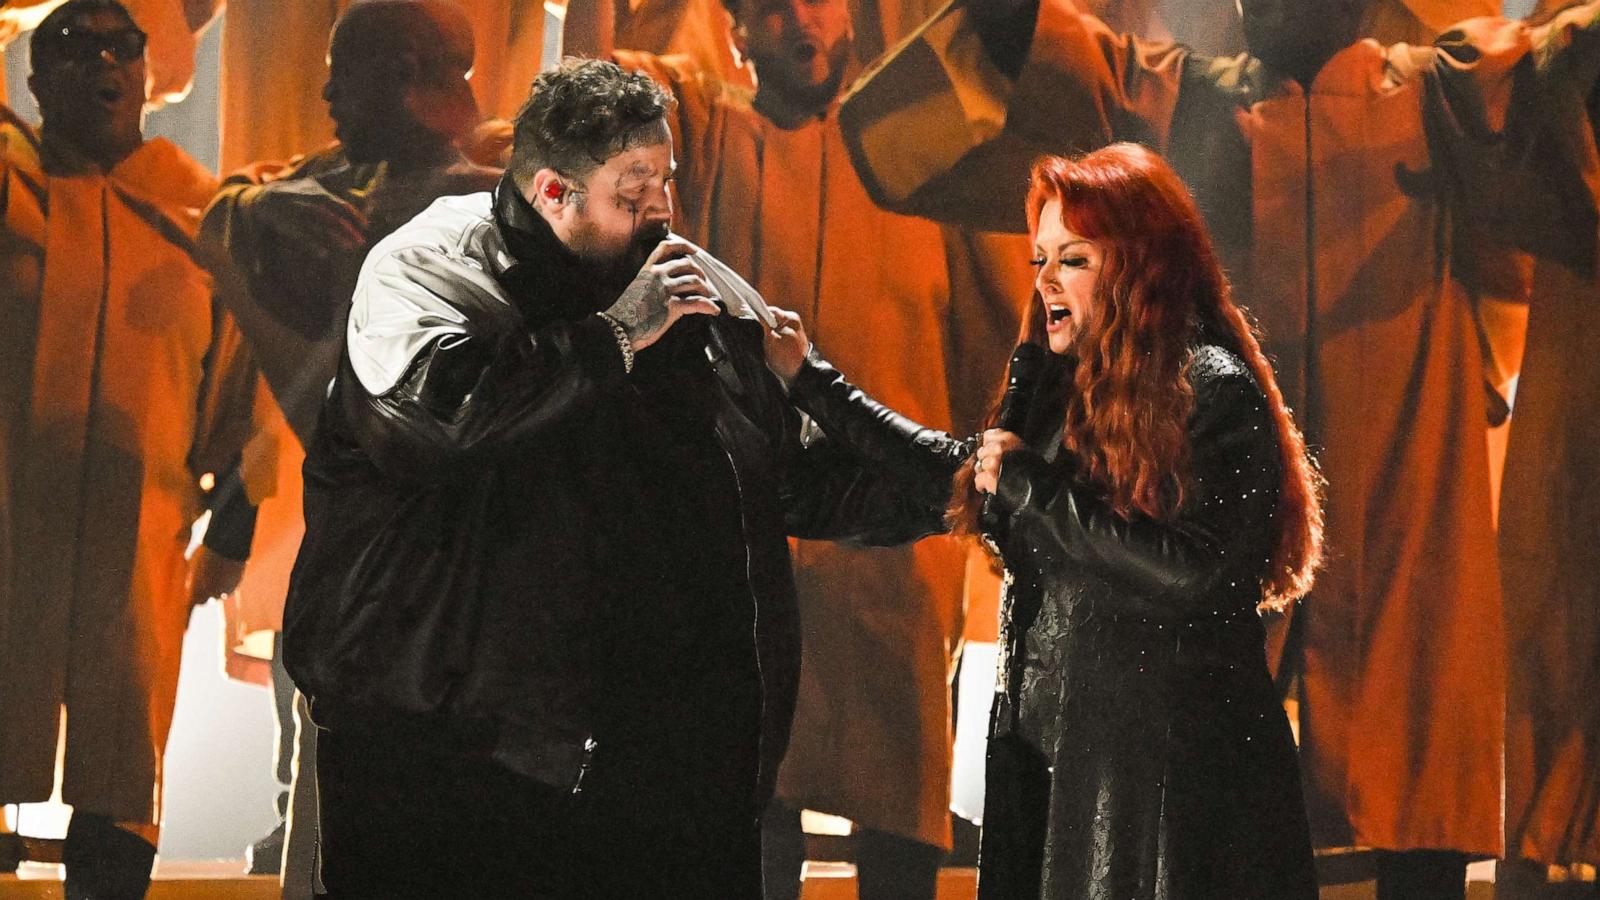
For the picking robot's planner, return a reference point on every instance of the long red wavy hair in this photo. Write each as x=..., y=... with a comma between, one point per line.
x=1161, y=291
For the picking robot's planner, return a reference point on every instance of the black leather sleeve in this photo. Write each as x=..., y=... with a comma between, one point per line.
x=872, y=476
x=1221, y=532
x=921, y=459
x=482, y=387
x=466, y=400
x=828, y=496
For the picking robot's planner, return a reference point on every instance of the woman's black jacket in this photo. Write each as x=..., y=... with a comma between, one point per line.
x=1137, y=749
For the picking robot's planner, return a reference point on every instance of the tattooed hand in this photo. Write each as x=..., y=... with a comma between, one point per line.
x=669, y=287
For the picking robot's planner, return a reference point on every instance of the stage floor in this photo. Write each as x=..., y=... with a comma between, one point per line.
x=221, y=881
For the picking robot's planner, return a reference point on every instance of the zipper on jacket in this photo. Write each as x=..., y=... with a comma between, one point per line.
x=718, y=356
x=755, y=603
x=589, y=745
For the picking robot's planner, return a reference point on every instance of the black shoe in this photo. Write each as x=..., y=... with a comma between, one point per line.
x=12, y=853
x=265, y=857
x=104, y=862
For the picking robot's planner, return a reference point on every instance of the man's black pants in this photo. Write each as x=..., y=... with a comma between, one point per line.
x=400, y=821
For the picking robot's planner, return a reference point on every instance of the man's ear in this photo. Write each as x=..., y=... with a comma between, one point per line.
x=548, y=193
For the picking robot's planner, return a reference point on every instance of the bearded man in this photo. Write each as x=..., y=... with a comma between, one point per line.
x=544, y=608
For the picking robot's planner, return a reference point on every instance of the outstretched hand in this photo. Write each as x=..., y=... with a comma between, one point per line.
x=668, y=287
x=786, y=345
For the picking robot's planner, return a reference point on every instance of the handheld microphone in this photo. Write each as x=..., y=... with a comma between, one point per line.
x=1022, y=381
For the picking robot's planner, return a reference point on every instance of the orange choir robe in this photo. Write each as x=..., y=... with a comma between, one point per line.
x=1549, y=516
x=106, y=363
x=923, y=318
x=1335, y=210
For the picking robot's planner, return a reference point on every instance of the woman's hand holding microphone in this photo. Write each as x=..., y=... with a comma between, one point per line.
x=995, y=443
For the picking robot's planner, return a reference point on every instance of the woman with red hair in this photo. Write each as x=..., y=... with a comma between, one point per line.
x=1154, y=499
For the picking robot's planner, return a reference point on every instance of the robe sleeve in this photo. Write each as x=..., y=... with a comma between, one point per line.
x=1567, y=54
x=1508, y=118
x=938, y=129
x=279, y=301
x=19, y=147
x=229, y=230
x=1508, y=123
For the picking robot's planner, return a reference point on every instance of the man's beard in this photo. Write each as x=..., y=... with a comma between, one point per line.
x=614, y=271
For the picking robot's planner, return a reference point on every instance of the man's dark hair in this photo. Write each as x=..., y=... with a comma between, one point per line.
x=581, y=114
x=42, y=45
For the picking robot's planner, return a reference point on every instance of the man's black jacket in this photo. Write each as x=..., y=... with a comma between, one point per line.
x=504, y=530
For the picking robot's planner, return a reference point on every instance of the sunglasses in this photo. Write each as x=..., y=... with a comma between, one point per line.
x=81, y=45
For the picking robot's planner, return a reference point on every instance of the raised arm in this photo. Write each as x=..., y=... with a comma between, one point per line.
x=262, y=214
x=855, y=470
x=1568, y=46
x=940, y=127
x=1508, y=113
x=919, y=459
x=274, y=239
x=1567, y=54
